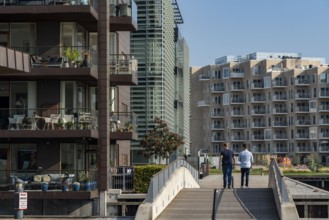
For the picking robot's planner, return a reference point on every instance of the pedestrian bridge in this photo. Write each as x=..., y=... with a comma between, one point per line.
x=183, y=196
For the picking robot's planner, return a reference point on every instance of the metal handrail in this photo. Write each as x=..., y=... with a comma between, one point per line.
x=159, y=179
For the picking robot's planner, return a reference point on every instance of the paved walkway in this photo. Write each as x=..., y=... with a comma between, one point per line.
x=216, y=181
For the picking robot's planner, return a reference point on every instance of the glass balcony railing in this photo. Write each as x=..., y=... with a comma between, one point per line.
x=47, y=2
x=123, y=64
x=123, y=8
x=64, y=180
x=48, y=119
x=123, y=122
x=61, y=57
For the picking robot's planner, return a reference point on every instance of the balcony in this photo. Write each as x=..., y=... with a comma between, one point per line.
x=237, y=100
x=302, y=82
x=203, y=103
x=279, y=98
x=237, y=113
x=324, y=148
x=123, y=126
x=259, y=150
x=303, y=96
x=279, y=84
x=237, y=138
x=280, y=149
x=303, y=149
x=324, y=121
x=257, y=85
x=49, y=122
x=82, y=11
x=280, y=124
x=216, y=89
x=13, y=61
x=217, y=139
x=238, y=126
x=258, y=111
x=280, y=111
x=302, y=109
x=204, y=78
x=123, y=15
x=302, y=136
x=123, y=70
x=257, y=137
x=217, y=127
x=258, y=125
x=324, y=135
x=237, y=88
x=237, y=74
x=280, y=137
x=258, y=99
x=324, y=108
x=302, y=122
x=324, y=94
x=217, y=114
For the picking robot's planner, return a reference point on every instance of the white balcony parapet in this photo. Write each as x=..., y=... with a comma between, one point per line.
x=280, y=137
x=258, y=111
x=203, y=103
x=237, y=74
x=302, y=82
x=279, y=97
x=258, y=99
x=302, y=96
x=280, y=111
x=258, y=125
x=204, y=78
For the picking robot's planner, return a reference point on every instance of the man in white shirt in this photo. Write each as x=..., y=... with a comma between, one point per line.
x=246, y=160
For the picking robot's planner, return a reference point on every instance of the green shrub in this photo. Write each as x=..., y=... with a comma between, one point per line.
x=143, y=176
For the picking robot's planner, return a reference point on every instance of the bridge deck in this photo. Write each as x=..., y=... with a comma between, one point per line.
x=255, y=202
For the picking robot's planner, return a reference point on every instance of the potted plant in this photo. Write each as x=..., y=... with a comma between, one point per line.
x=44, y=186
x=69, y=125
x=72, y=55
x=60, y=123
x=76, y=186
x=128, y=126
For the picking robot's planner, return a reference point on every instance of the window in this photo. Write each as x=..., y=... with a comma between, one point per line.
x=24, y=157
x=267, y=82
x=226, y=73
x=226, y=99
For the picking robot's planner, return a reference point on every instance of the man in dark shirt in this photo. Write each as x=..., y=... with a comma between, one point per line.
x=227, y=158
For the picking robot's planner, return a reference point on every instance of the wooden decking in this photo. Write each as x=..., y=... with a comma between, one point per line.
x=256, y=202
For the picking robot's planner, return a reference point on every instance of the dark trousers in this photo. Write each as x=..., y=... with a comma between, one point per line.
x=227, y=175
x=245, y=172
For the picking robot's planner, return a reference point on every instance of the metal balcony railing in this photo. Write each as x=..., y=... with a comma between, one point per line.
x=122, y=178
x=280, y=136
x=123, y=64
x=279, y=83
x=123, y=8
x=324, y=108
x=280, y=111
x=258, y=111
x=123, y=121
x=302, y=81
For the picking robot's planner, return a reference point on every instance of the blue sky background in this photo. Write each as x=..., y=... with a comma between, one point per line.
x=215, y=28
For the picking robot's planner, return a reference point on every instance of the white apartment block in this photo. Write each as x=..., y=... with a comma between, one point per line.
x=276, y=103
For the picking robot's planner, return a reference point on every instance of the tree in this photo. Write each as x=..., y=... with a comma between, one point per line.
x=160, y=141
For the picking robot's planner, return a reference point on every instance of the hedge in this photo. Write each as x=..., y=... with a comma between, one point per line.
x=143, y=176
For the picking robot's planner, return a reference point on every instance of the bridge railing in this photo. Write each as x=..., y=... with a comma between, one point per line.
x=159, y=179
x=284, y=201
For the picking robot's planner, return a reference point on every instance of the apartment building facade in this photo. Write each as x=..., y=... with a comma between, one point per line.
x=156, y=45
x=65, y=117
x=276, y=103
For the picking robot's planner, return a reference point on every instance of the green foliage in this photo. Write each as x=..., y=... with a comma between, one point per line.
x=160, y=142
x=72, y=54
x=312, y=162
x=143, y=176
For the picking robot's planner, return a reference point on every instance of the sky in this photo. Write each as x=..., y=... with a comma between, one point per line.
x=215, y=28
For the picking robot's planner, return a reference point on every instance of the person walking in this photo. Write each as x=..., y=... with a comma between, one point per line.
x=227, y=158
x=246, y=160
